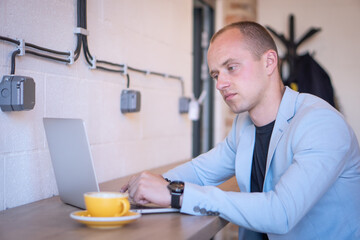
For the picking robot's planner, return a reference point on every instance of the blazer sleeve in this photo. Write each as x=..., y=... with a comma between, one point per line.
x=214, y=167
x=315, y=164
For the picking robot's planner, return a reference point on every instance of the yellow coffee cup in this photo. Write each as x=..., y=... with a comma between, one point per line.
x=106, y=204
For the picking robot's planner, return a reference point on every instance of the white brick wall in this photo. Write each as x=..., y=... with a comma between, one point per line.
x=2, y=181
x=154, y=35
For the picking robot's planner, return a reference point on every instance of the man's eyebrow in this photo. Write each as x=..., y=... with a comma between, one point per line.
x=223, y=64
x=227, y=61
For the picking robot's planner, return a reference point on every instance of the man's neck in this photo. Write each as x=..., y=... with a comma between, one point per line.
x=266, y=112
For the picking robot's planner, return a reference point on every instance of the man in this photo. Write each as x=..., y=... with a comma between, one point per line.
x=296, y=160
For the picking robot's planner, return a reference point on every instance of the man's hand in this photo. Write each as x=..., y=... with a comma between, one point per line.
x=148, y=188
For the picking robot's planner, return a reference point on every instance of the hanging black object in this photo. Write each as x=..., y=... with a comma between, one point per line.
x=305, y=74
x=292, y=46
x=312, y=78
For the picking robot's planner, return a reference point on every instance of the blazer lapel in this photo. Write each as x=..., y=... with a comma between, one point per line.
x=286, y=112
x=244, y=156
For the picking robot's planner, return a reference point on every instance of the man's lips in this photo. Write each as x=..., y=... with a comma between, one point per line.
x=229, y=96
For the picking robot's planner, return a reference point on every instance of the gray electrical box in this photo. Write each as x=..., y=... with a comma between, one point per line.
x=17, y=93
x=184, y=104
x=130, y=101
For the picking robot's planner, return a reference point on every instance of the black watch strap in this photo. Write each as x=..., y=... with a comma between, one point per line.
x=176, y=189
x=175, y=200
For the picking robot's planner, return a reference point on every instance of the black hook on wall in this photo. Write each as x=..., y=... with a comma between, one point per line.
x=292, y=46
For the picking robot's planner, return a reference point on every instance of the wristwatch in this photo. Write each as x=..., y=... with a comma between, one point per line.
x=176, y=189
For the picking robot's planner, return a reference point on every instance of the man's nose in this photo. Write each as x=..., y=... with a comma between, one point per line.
x=222, y=82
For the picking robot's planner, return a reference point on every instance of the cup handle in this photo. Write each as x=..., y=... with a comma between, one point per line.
x=124, y=205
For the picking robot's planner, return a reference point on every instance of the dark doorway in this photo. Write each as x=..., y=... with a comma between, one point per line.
x=203, y=30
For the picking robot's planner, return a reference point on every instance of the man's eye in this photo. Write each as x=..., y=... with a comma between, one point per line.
x=231, y=68
x=215, y=77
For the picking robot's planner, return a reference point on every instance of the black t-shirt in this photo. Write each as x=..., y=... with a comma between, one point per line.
x=262, y=140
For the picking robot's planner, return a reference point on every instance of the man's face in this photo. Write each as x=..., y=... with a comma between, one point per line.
x=239, y=77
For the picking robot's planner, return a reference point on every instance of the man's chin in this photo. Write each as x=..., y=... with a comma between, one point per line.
x=234, y=109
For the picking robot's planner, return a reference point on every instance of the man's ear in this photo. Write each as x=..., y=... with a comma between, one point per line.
x=271, y=61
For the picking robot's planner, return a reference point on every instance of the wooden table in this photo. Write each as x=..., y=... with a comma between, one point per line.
x=49, y=219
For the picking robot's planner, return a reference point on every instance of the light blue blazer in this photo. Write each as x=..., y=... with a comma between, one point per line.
x=312, y=181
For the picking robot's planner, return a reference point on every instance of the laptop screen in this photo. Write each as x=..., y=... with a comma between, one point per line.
x=71, y=159
x=73, y=165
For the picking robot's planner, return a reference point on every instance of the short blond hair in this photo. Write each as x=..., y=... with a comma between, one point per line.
x=256, y=37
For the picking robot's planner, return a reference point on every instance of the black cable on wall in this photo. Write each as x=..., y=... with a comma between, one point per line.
x=82, y=42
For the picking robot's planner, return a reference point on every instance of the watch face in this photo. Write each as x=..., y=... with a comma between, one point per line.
x=176, y=186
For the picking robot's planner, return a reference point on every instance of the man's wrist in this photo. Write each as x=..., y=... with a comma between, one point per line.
x=176, y=189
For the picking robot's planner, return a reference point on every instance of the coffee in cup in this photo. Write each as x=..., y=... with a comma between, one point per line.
x=106, y=204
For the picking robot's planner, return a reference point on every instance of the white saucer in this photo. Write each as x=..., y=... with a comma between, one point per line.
x=104, y=222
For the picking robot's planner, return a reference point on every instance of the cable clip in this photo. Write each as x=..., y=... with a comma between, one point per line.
x=147, y=72
x=71, y=57
x=21, y=47
x=82, y=31
x=125, y=72
x=93, y=63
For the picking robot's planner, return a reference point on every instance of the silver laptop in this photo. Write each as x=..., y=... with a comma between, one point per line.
x=73, y=165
